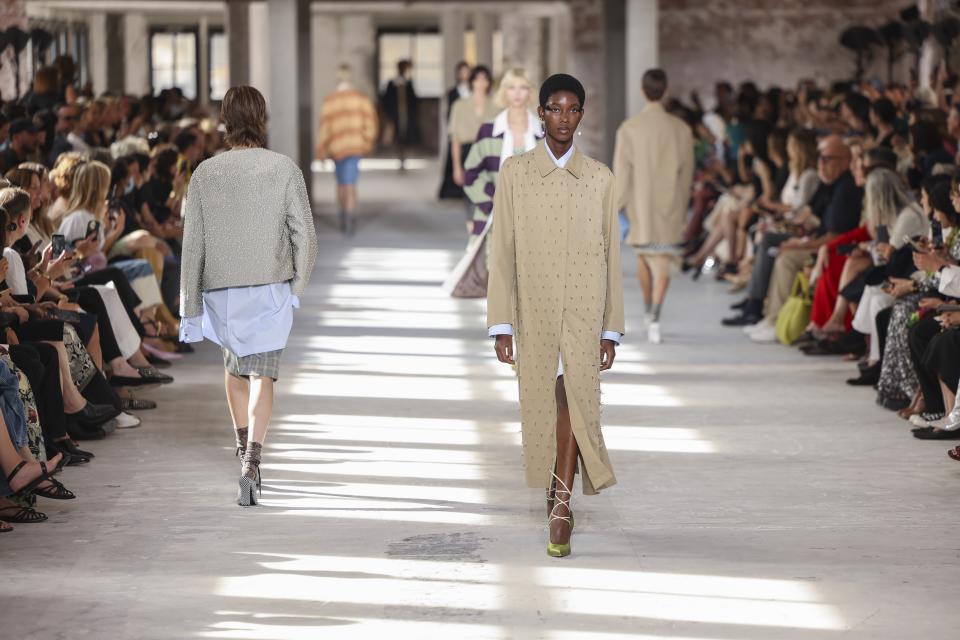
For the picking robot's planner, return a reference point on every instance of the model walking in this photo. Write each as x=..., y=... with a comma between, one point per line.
x=555, y=277
x=653, y=162
x=348, y=131
x=514, y=130
x=248, y=250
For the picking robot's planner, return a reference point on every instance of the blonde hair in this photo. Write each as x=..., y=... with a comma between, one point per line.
x=512, y=75
x=64, y=170
x=91, y=183
x=804, y=146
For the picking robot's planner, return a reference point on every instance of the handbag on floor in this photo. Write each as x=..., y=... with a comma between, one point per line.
x=794, y=316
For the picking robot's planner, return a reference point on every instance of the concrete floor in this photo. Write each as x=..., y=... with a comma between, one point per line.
x=759, y=497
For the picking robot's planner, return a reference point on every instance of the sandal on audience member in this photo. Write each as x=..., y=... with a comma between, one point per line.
x=56, y=491
x=936, y=433
x=25, y=490
x=21, y=515
x=4, y=527
x=150, y=373
x=137, y=404
x=954, y=453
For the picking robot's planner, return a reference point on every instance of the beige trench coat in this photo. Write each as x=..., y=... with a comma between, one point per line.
x=653, y=163
x=555, y=276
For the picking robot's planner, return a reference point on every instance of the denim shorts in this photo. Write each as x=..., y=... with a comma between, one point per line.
x=347, y=170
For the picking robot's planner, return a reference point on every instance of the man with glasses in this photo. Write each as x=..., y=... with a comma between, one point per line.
x=781, y=256
x=64, y=139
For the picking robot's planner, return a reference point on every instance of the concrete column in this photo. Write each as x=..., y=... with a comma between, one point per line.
x=237, y=21
x=558, y=39
x=289, y=90
x=484, y=24
x=643, y=48
x=258, y=54
x=136, y=53
x=588, y=64
x=452, y=25
x=97, y=30
x=114, y=43
x=358, y=48
x=203, y=61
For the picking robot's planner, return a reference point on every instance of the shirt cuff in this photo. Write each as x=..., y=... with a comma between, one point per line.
x=191, y=329
x=295, y=301
x=501, y=330
x=611, y=335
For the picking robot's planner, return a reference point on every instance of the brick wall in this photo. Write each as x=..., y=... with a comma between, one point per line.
x=768, y=41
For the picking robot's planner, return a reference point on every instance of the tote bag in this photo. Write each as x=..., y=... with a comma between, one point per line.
x=794, y=317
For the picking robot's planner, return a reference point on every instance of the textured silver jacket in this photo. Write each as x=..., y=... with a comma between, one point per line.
x=247, y=221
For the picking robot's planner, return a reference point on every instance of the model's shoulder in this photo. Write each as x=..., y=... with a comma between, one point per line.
x=595, y=168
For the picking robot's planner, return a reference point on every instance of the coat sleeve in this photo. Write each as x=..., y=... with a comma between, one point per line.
x=502, y=281
x=303, y=237
x=621, y=170
x=192, y=260
x=685, y=182
x=613, y=310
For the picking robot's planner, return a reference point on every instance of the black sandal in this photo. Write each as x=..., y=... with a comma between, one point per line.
x=45, y=475
x=56, y=491
x=24, y=515
x=5, y=528
x=137, y=404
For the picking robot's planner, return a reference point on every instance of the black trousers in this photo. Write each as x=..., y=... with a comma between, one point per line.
x=99, y=391
x=90, y=301
x=128, y=296
x=39, y=362
x=942, y=358
x=920, y=337
x=883, y=324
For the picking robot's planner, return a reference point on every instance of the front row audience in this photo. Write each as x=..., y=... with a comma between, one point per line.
x=89, y=289
x=838, y=212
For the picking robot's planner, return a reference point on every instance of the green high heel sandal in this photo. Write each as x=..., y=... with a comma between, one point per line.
x=559, y=550
x=551, y=493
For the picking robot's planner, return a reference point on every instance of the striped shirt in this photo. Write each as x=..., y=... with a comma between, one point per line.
x=494, y=144
x=348, y=125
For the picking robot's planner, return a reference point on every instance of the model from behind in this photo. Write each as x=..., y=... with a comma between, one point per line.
x=248, y=250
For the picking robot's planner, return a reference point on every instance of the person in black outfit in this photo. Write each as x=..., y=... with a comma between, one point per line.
x=23, y=142
x=401, y=105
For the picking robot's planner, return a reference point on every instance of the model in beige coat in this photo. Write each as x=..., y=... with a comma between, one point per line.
x=555, y=277
x=653, y=163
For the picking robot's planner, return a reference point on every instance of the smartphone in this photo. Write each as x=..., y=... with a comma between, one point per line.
x=59, y=243
x=93, y=229
x=936, y=233
x=883, y=234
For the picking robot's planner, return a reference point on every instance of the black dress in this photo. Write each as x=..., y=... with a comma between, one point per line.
x=449, y=188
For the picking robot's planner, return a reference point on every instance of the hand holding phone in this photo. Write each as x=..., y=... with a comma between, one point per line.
x=59, y=244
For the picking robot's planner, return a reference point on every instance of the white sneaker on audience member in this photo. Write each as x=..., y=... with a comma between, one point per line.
x=127, y=421
x=764, y=333
x=653, y=333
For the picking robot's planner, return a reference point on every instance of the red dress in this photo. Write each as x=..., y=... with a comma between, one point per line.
x=828, y=286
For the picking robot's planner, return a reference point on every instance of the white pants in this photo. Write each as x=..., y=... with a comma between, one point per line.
x=873, y=301
x=128, y=340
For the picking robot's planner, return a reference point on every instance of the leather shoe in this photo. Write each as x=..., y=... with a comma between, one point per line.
x=741, y=320
x=94, y=415
x=868, y=377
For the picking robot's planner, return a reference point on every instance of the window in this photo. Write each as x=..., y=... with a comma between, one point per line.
x=219, y=65
x=425, y=50
x=173, y=61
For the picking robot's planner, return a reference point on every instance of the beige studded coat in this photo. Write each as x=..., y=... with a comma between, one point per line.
x=555, y=276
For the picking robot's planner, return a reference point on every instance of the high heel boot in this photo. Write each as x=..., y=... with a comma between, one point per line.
x=250, y=476
x=241, y=435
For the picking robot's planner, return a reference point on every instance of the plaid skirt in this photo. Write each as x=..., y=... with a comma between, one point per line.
x=266, y=365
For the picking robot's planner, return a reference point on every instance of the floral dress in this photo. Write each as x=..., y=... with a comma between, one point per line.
x=898, y=379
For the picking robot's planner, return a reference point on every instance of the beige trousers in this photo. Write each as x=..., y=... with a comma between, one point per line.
x=785, y=269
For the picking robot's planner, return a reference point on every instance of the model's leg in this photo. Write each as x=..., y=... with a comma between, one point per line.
x=646, y=282
x=238, y=398
x=260, y=407
x=567, y=453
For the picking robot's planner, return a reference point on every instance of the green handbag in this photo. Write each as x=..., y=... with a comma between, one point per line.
x=794, y=317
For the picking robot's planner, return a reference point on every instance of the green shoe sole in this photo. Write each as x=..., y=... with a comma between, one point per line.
x=558, y=550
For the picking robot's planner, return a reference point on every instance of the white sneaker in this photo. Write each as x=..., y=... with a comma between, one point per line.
x=127, y=421
x=750, y=328
x=653, y=333
x=765, y=333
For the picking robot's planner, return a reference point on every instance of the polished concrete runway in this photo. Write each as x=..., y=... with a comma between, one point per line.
x=758, y=496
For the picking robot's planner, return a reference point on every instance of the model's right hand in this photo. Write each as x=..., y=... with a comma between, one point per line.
x=504, y=347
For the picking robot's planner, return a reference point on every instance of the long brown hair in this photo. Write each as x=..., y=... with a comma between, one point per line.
x=21, y=176
x=244, y=114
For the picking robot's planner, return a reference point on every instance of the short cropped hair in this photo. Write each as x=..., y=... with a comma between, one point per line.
x=561, y=82
x=654, y=84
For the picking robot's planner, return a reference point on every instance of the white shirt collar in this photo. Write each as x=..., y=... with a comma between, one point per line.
x=562, y=160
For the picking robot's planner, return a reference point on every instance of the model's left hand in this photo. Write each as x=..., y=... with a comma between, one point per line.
x=608, y=351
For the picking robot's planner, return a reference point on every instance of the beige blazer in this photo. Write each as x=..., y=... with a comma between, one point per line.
x=653, y=165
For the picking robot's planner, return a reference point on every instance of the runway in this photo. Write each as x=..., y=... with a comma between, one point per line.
x=758, y=498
